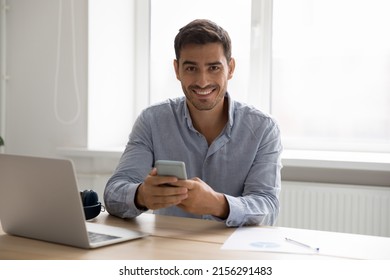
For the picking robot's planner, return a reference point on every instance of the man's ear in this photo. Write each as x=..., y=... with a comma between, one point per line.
x=176, y=66
x=232, y=66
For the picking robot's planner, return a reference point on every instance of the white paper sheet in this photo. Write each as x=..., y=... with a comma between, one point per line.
x=273, y=239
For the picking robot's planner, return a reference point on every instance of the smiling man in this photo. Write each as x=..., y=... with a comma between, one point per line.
x=231, y=150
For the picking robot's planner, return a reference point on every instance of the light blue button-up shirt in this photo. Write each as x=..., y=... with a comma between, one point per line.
x=244, y=162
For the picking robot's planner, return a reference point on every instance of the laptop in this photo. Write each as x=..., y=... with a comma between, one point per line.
x=39, y=199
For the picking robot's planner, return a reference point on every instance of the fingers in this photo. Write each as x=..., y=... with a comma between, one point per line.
x=189, y=184
x=154, y=180
x=157, y=192
x=156, y=197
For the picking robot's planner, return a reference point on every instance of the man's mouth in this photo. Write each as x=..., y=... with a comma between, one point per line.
x=203, y=92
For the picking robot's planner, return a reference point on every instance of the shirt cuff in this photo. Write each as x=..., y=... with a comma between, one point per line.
x=236, y=214
x=133, y=210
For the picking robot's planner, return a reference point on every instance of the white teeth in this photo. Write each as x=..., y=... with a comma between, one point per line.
x=203, y=92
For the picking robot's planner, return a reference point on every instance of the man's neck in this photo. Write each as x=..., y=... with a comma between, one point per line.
x=210, y=123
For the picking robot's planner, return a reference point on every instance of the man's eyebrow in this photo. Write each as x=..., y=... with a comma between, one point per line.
x=215, y=63
x=188, y=62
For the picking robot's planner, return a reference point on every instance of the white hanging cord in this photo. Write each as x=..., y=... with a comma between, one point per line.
x=75, y=82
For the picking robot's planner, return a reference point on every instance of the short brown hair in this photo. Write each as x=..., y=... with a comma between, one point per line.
x=201, y=32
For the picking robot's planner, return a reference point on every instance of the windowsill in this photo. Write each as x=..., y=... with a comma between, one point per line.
x=351, y=168
x=290, y=158
x=337, y=160
x=108, y=153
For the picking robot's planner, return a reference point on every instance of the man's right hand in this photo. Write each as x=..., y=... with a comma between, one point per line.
x=155, y=192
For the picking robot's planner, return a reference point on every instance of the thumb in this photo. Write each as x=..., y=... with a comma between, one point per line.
x=153, y=172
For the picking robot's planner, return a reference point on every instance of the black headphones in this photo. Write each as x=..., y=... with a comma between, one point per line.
x=91, y=204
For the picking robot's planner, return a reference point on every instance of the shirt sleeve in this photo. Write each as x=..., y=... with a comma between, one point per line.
x=133, y=167
x=259, y=203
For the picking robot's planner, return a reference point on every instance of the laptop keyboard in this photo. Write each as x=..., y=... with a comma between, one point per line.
x=95, y=237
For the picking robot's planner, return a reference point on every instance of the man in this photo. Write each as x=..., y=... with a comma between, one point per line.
x=231, y=151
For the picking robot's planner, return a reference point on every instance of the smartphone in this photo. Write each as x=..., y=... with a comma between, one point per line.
x=171, y=168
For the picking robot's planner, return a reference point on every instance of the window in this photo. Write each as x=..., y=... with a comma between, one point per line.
x=168, y=16
x=110, y=72
x=324, y=77
x=330, y=77
x=131, y=58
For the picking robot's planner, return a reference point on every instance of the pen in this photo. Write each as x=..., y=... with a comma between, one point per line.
x=302, y=244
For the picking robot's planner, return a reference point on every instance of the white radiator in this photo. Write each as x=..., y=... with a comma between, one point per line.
x=330, y=207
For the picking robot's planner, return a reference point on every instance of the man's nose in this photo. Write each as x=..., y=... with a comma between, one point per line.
x=202, y=79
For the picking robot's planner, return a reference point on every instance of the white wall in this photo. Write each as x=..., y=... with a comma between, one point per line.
x=31, y=126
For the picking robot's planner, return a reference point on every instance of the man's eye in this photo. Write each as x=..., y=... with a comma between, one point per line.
x=190, y=68
x=214, y=68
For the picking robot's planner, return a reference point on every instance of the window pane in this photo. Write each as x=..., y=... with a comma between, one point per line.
x=331, y=74
x=110, y=72
x=168, y=16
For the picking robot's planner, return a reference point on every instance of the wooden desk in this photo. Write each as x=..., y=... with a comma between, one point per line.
x=170, y=238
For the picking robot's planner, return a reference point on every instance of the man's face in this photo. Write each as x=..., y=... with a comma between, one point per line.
x=204, y=73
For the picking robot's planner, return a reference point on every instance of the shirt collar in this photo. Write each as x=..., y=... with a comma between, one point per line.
x=231, y=109
x=230, y=123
